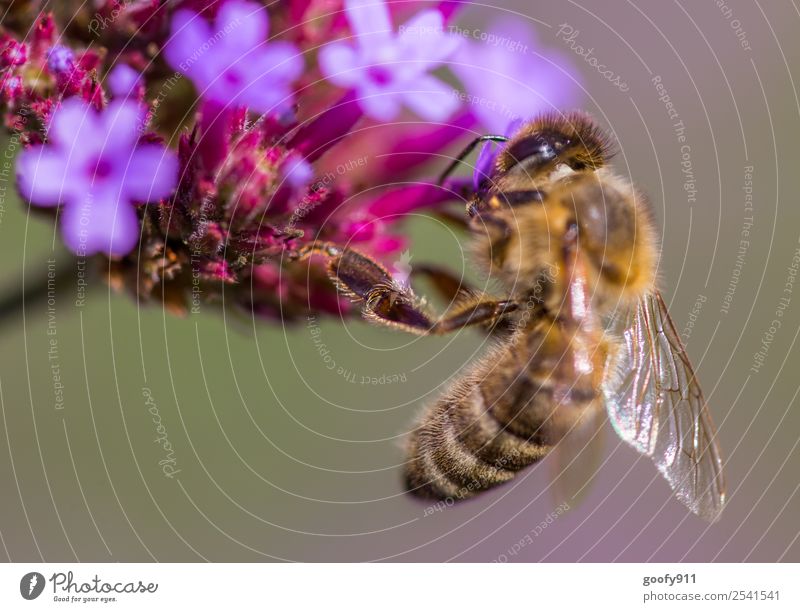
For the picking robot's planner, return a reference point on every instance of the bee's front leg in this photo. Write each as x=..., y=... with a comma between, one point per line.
x=450, y=287
x=394, y=304
x=457, y=293
x=479, y=310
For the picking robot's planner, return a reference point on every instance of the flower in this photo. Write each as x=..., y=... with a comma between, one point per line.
x=389, y=70
x=124, y=81
x=94, y=166
x=513, y=80
x=13, y=53
x=297, y=171
x=249, y=196
x=488, y=154
x=60, y=60
x=230, y=64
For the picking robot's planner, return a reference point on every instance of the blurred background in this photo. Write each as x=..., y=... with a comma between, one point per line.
x=131, y=435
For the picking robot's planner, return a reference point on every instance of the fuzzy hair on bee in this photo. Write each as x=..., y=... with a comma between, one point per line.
x=574, y=249
x=549, y=193
x=551, y=138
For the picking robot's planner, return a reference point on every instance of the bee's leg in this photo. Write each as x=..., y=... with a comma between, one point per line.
x=456, y=292
x=449, y=286
x=480, y=310
x=394, y=304
x=397, y=306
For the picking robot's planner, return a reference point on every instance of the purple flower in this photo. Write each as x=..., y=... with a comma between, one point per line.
x=124, y=81
x=484, y=164
x=230, y=64
x=94, y=166
x=13, y=54
x=513, y=80
x=60, y=60
x=297, y=172
x=390, y=70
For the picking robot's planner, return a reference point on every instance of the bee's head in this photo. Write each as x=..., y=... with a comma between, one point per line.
x=540, y=145
x=540, y=151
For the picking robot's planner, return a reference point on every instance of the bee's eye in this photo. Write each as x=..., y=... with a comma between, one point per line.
x=538, y=148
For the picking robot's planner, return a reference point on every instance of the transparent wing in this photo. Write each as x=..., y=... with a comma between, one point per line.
x=576, y=459
x=655, y=403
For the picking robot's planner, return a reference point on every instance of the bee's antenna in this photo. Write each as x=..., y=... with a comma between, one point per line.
x=467, y=150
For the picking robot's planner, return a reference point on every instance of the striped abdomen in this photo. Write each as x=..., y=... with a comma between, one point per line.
x=504, y=415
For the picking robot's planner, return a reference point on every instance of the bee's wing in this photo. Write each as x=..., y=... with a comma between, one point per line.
x=655, y=403
x=577, y=457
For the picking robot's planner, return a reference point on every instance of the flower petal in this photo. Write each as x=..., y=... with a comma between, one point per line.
x=121, y=124
x=99, y=223
x=408, y=198
x=189, y=41
x=514, y=80
x=42, y=176
x=431, y=99
x=388, y=243
x=484, y=164
x=368, y=17
x=320, y=134
x=265, y=97
x=123, y=81
x=339, y=63
x=152, y=174
x=379, y=104
x=423, y=38
x=296, y=171
x=243, y=24
x=70, y=122
x=278, y=61
x=412, y=147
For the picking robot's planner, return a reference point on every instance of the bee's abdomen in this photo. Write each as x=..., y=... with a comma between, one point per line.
x=479, y=434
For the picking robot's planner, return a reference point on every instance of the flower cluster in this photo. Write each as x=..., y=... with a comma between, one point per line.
x=194, y=145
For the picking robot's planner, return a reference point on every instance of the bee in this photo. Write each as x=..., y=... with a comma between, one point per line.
x=583, y=334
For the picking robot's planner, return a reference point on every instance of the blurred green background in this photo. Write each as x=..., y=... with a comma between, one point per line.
x=282, y=458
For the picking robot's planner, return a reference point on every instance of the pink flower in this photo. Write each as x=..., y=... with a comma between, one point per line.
x=516, y=80
x=391, y=70
x=230, y=64
x=124, y=81
x=94, y=166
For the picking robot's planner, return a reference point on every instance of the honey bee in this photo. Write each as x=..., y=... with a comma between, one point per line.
x=583, y=332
